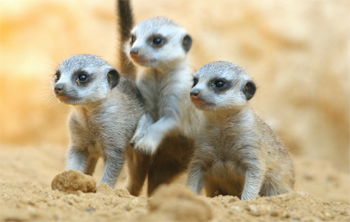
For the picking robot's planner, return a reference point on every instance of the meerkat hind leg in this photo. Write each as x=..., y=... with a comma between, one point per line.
x=171, y=159
x=91, y=165
x=252, y=184
x=113, y=164
x=138, y=166
x=271, y=188
x=195, y=178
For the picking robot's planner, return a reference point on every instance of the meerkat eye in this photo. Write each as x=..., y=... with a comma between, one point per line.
x=219, y=83
x=195, y=81
x=57, y=76
x=157, y=41
x=81, y=77
x=132, y=39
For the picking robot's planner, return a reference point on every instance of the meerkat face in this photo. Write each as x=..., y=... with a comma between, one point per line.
x=83, y=79
x=158, y=42
x=221, y=85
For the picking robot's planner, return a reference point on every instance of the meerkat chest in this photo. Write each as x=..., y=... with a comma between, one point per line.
x=101, y=122
x=223, y=142
x=160, y=92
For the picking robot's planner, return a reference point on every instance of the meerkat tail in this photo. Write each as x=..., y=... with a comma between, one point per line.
x=125, y=22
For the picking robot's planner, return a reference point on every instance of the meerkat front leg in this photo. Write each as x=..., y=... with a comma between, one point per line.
x=114, y=159
x=155, y=134
x=252, y=183
x=195, y=178
x=77, y=158
x=144, y=123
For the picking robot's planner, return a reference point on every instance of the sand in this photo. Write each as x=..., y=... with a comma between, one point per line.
x=322, y=194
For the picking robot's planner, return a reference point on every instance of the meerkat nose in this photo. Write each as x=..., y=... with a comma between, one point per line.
x=59, y=88
x=194, y=93
x=134, y=52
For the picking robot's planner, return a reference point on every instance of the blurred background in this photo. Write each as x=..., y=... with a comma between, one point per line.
x=297, y=51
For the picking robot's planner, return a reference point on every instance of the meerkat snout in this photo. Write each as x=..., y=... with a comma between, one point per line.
x=134, y=52
x=194, y=93
x=59, y=88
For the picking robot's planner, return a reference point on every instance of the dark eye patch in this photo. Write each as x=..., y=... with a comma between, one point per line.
x=81, y=77
x=220, y=84
x=157, y=41
x=132, y=39
x=57, y=75
x=195, y=81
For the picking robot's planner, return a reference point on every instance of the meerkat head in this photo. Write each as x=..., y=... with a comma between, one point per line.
x=84, y=79
x=158, y=42
x=221, y=85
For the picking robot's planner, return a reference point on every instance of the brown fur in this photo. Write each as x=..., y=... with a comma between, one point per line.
x=171, y=159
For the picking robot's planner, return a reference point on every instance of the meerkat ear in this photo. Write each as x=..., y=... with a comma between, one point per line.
x=187, y=43
x=249, y=89
x=113, y=78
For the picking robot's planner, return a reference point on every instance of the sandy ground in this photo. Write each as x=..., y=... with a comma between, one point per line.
x=322, y=194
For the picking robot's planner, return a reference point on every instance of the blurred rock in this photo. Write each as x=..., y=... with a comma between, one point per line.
x=72, y=181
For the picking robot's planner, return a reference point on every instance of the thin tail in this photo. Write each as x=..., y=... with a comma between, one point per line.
x=126, y=22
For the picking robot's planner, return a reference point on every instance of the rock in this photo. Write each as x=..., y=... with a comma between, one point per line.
x=72, y=181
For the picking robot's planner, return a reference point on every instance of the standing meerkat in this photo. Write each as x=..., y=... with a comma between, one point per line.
x=159, y=47
x=106, y=111
x=237, y=153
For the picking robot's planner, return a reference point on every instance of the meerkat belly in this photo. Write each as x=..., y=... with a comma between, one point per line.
x=98, y=130
x=95, y=150
x=224, y=177
x=151, y=93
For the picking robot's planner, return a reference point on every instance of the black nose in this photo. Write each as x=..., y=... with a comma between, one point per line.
x=134, y=52
x=195, y=92
x=59, y=88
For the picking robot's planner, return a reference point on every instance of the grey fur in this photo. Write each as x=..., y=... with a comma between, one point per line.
x=103, y=119
x=237, y=153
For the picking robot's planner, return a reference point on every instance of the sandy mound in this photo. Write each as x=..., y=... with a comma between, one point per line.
x=26, y=195
x=72, y=181
x=177, y=203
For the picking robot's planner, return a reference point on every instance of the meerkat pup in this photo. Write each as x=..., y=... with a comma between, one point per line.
x=159, y=48
x=236, y=152
x=107, y=108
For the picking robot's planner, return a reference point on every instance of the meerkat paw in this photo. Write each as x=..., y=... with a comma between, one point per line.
x=148, y=144
x=137, y=137
x=144, y=123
